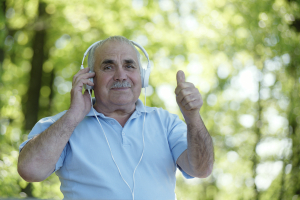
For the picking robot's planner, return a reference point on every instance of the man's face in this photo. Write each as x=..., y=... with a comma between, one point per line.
x=116, y=62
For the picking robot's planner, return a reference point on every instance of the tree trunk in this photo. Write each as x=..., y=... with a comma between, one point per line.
x=2, y=17
x=35, y=83
x=255, y=159
x=31, y=109
x=295, y=136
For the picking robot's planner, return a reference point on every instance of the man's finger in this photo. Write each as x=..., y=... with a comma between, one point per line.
x=180, y=77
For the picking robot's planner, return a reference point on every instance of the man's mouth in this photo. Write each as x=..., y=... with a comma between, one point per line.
x=120, y=85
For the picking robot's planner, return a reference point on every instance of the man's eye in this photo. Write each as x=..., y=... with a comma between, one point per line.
x=130, y=66
x=107, y=67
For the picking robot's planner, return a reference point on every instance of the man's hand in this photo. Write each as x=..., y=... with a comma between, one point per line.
x=198, y=159
x=81, y=103
x=188, y=98
x=38, y=157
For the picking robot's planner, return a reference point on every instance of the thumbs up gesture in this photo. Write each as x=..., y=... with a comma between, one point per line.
x=188, y=98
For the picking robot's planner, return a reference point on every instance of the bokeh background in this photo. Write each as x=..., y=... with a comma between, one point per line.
x=243, y=56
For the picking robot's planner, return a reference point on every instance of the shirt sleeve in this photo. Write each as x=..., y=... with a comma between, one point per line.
x=177, y=137
x=41, y=126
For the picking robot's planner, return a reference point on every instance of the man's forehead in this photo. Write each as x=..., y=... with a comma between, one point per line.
x=111, y=48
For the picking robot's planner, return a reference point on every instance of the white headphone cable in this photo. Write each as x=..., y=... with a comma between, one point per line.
x=132, y=191
x=143, y=147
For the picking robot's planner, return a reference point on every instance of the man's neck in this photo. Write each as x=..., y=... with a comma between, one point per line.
x=119, y=113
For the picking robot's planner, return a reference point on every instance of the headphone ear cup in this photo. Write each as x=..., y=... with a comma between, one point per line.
x=142, y=72
x=88, y=87
x=146, y=78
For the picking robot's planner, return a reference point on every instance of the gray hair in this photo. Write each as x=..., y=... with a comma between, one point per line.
x=91, y=58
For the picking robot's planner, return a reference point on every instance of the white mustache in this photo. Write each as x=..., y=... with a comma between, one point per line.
x=118, y=84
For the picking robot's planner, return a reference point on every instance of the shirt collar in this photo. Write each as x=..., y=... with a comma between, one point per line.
x=139, y=108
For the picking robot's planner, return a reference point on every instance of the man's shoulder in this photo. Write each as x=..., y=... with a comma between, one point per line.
x=152, y=110
x=161, y=112
x=53, y=118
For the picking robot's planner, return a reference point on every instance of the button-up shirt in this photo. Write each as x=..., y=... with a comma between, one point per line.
x=86, y=168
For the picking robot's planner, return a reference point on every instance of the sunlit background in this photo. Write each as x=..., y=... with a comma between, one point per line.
x=243, y=56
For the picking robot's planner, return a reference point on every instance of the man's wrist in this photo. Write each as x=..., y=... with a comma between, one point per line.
x=193, y=120
x=73, y=118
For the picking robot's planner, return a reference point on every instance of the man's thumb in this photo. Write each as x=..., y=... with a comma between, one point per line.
x=180, y=77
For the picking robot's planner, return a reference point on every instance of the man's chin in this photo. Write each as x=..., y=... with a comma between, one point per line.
x=122, y=103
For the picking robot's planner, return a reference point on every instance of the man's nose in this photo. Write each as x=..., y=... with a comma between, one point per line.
x=120, y=74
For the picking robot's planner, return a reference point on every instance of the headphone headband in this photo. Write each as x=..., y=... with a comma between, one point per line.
x=87, y=51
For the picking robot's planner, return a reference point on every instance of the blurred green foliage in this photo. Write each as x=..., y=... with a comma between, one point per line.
x=243, y=56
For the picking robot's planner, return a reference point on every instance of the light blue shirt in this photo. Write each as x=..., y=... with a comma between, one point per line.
x=86, y=168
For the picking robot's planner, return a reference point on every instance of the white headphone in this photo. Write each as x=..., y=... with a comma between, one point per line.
x=145, y=73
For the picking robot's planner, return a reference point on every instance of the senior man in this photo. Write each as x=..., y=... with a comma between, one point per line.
x=133, y=152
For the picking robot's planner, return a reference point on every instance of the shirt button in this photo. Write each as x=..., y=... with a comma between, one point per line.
x=123, y=133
